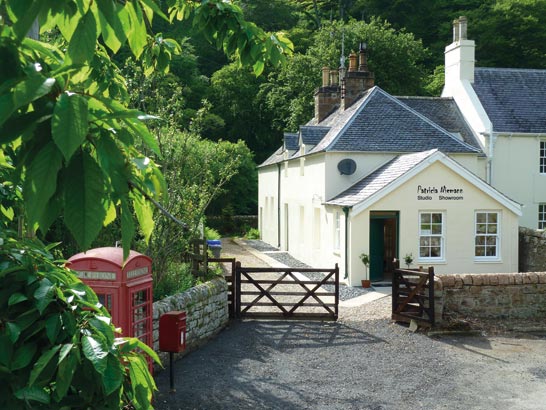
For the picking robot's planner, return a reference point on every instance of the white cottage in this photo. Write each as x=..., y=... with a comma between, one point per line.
x=506, y=109
x=385, y=176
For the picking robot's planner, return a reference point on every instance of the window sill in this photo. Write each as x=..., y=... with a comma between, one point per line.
x=487, y=260
x=337, y=253
x=432, y=261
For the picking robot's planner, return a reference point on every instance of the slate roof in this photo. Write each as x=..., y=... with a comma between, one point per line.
x=311, y=135
x=291, y=141
x=380, y=178
x=444, y=112
x=514, y=99
x=276, y=157
x=379, y=122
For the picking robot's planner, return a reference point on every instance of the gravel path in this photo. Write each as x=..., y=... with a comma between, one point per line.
x=363, y=361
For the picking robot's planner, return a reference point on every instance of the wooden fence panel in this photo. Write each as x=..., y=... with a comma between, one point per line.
x=413, y=296
x=282, y=293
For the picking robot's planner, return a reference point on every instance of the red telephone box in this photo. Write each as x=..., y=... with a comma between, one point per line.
x=124, y=289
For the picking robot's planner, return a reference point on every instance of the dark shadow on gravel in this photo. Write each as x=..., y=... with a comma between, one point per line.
x=269, y=365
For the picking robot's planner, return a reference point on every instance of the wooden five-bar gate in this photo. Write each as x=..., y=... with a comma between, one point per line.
x=284, y=293
x=413, y=296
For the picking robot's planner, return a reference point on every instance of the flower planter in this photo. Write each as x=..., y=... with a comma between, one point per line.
x=366, y=283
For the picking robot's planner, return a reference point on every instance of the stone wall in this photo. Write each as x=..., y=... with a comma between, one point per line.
x=498, y=295
x=532, y=250
x=206, y=310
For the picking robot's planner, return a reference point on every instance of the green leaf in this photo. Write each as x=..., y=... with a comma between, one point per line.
x=14, y=331
x=42, y=363
x=84, y=190
x=258, y=67
x=44, y=295
x=33, y=393
x=81, y=48
x=152, y=5
x=69, y=124
x=96, y=353
x=136, y=34
x=113, y=376
x=26, y=11
x=16, y=298
x=53, y=327
x=51, y=211
x=68, y=364
x=109, y=34
x=145, y=215
x=41, y=181
x=139, y=128
x=127, y=227
x=102, y=325
x=23, y=356
x=31, y=89
x=141, y=382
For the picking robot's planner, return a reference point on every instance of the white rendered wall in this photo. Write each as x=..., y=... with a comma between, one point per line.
x=267, y=203
x=515, y=172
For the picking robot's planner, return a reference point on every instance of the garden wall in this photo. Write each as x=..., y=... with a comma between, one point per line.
x=206, y=309
x=494, y=295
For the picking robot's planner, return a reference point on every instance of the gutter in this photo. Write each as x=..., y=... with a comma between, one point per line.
x=346, y=210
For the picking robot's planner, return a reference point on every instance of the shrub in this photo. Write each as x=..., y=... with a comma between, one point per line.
x=178, y=278
x=253, y=233
x=211, y=233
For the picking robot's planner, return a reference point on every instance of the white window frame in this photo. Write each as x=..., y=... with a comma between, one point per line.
x=337, y=231
x=429, y=234
x=489, y=233
x=542, y=157
x=542, y=216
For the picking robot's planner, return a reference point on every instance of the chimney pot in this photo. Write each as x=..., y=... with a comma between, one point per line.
x=362, y=63
x=462, y=28
x=352, y=62
x=334, y=77
x=325, y=76
x=455, y=30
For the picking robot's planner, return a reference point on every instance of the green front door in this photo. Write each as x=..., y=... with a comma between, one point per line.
x=383, y=244
x=377, y=249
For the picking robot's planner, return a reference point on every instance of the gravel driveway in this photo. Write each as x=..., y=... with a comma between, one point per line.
x=363, y=361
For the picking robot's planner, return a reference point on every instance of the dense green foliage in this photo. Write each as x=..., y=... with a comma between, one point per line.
x=57, y=345
x=73, y=151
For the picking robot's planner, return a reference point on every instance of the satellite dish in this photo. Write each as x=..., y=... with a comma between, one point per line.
x=346, y=166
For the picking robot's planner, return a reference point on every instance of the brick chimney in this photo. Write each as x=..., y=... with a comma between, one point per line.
x=358, y=79
x=327, y=97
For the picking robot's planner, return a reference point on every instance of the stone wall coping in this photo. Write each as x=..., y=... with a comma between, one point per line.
x=460, y=280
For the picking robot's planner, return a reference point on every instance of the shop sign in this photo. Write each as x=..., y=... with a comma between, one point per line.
x=439, y=193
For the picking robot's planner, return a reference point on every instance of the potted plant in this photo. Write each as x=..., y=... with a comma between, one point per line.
x=408, y=259
x=365, y=258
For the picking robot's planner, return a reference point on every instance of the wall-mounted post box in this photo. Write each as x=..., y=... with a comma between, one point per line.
x=172, y=332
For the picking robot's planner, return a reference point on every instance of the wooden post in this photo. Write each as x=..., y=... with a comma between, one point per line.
x=395, y=286
x=337, y=291
x=431, y=294
x=237, y=287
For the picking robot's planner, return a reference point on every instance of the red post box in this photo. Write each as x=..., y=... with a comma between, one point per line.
x=172, y=332
x=125, y=289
